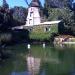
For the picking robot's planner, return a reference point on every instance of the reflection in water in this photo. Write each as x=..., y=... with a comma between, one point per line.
x=64, y=45
x=54, y=61
x=33, y=65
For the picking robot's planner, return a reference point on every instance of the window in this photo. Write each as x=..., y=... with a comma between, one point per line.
x=30, y=29
x=31, y=14
x=46, y=29
x=30, y=21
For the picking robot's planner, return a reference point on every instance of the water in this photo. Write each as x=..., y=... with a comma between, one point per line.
x=39, y=61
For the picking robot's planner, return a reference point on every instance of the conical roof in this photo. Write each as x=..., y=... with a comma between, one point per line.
x=35, y=3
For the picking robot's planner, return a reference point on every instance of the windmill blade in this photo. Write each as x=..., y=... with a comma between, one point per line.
x=26, y=2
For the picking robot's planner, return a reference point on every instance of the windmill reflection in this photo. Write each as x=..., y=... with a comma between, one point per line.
x=33, y=64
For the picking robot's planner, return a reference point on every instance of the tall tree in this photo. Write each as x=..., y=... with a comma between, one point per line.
x=5, y=5
x=19, y=14
x=5, y=19
x=56, y=3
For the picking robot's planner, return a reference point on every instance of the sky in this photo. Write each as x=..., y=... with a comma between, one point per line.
x=73, y=1
x=13, y=3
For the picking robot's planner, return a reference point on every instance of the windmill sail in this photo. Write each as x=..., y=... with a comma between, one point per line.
x=26, y=2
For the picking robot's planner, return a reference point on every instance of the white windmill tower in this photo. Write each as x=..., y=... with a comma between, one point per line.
x=33, y=17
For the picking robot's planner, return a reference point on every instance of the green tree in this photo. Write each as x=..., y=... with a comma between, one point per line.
x=19, y=14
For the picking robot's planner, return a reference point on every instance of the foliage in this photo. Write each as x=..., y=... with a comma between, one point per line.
x=5, y=37
x=56, y=3
x=72, y=5
x=54, y=13
x=12, y=17
x=56, y=8
x=19, y=14
x=5, y=19
x=20, y=35
x=5, y=5
x=68, y=22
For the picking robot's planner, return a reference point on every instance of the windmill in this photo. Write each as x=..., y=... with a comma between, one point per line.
x=33, y=17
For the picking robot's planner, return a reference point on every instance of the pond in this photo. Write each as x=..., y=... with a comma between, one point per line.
x=39, y=61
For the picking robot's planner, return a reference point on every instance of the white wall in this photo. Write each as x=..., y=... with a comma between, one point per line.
x=33, y=17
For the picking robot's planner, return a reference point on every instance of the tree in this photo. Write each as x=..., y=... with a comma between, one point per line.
x=54, y=7
x=5, y=5
x=5, y=19
x=56, y=3
x=19, y=14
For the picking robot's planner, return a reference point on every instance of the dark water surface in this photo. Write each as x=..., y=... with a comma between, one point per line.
x=39, y=61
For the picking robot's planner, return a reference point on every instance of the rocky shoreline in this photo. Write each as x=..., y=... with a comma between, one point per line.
x=61, y=39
